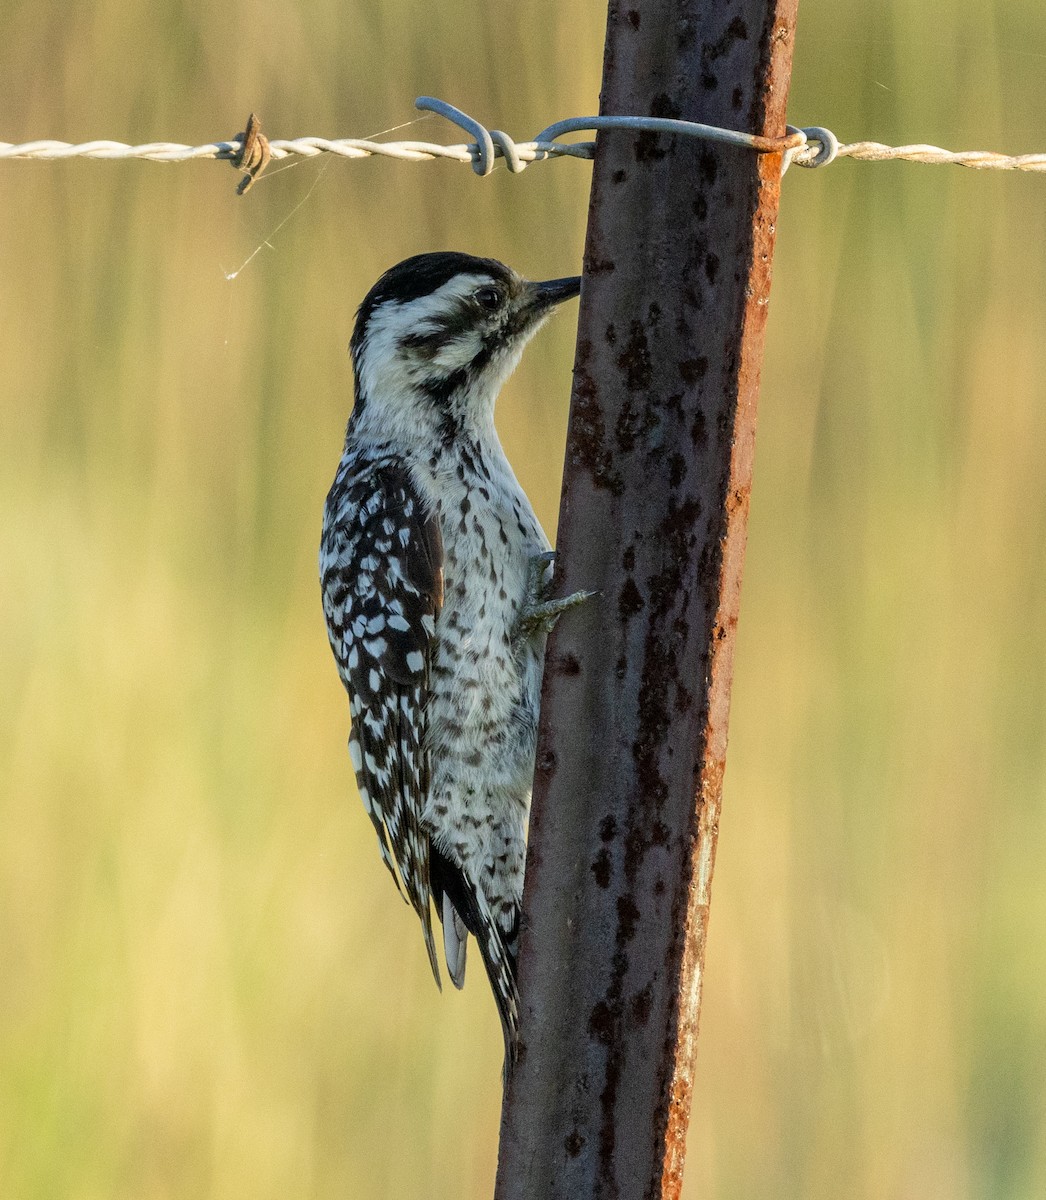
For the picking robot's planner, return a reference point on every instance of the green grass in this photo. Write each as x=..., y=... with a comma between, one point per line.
x=207, y=985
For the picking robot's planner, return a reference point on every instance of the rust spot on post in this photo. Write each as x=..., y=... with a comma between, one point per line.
x=636, y=701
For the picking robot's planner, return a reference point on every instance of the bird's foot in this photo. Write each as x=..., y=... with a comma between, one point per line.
x=542, y=617
x=540, y=613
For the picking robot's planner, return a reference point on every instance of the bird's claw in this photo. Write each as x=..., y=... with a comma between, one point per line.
x=540, y=614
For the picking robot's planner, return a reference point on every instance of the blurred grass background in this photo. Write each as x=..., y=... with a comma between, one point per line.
x=207, y=985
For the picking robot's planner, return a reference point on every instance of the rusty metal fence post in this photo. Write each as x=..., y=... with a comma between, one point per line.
x=637, y=686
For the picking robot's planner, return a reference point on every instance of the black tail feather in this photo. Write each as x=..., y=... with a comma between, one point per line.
x=496, y=946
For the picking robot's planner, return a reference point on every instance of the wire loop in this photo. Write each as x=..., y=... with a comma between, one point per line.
x=490, y=141
x=483, y=164
x=827, y=148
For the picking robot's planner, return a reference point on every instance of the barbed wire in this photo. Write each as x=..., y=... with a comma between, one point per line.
x=251, y=151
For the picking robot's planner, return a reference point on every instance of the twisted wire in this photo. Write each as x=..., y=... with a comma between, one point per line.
x=978, y=160
x=251, y=150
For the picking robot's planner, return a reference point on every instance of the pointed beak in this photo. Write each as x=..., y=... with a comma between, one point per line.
x=554, y=291
x=537, y=301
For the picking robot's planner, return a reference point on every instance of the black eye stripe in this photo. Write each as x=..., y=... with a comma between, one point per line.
x=425, y=343
x=438, y=331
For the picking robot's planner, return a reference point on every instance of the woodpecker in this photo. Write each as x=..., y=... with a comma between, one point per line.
x=435, y=576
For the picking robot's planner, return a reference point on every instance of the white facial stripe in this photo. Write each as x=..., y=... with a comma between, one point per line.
x=442, y=299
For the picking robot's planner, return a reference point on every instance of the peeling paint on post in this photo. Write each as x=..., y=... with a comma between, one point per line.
x=637, y=687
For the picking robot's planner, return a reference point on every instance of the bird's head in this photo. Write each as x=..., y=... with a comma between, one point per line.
x=437, y=336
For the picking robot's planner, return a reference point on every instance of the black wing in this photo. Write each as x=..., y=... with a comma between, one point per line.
x=381, y=565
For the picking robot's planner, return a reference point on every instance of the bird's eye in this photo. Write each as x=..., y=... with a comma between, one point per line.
x=488, y=297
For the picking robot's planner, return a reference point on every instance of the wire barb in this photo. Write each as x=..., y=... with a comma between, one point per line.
x=251, y=151
x=255, y=154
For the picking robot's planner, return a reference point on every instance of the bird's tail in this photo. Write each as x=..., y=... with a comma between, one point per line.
x=500, y=962
x=457, y=897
